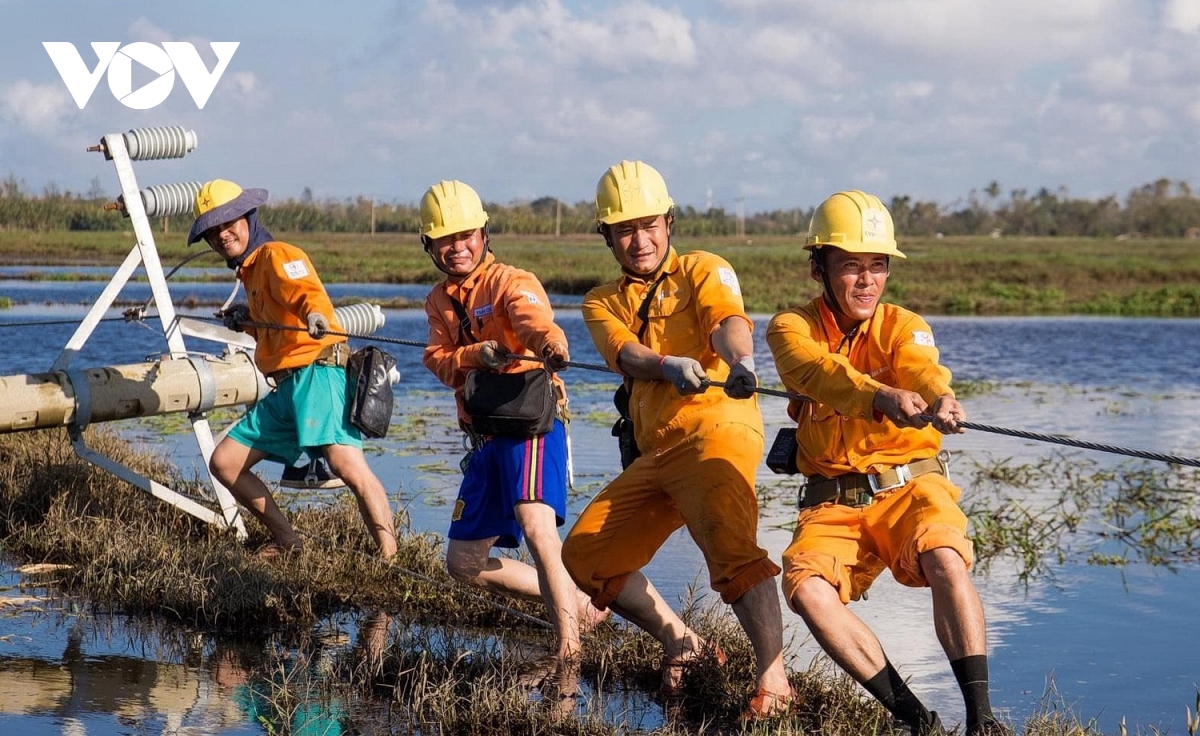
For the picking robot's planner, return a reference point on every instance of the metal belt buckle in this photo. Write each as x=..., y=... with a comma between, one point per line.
x=903, y=476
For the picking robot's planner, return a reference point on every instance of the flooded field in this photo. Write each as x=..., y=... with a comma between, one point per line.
x=1110, y=643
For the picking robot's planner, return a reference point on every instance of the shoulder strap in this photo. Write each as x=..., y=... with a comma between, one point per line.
x=464, y=323
x=643, y=312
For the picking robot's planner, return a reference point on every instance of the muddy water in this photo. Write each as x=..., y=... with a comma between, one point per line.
x=1110, y=644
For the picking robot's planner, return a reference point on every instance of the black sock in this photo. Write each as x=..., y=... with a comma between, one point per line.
x=890, y=689
x=972, y=675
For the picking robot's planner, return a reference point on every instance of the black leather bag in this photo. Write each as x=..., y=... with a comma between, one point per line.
x=368, y=371
x=510, y=404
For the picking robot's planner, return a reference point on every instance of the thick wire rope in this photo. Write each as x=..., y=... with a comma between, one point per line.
x=1037, y=436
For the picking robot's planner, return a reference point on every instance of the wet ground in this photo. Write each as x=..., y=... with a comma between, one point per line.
x=1112, y=643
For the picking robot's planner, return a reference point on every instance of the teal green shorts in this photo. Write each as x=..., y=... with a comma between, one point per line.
x=307, y=410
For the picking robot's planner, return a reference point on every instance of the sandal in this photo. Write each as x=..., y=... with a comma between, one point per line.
x=766, y=705
x=674, y=668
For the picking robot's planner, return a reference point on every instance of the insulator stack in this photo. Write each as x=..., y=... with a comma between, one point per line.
x=149, y=144
x=168, y=200
x=360, y=319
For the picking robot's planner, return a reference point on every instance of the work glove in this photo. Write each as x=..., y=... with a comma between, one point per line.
x=234, y=316
x=556, y=356
x=686, y=373
x=318, y=325
x=741, y=381
x=493, y=355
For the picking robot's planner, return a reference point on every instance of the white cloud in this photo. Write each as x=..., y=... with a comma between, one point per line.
x=997, y=35
x=622, y=37
x=244, y=83
x=914, y=90
x=1182, y=16
x=143, y=29
x=39, y=108
x=1111, y=73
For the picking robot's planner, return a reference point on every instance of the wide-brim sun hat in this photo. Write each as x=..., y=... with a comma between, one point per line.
x=220, y=201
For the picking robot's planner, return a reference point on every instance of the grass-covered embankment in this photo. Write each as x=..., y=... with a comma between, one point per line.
x=451, y=666
x=968, y=275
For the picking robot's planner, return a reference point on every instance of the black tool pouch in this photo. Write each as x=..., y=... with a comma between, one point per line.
x=510, y=404
x=781, y=458
x=623, y=428
x=371, y=393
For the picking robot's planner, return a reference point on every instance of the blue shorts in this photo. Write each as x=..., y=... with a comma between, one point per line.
x=307, y=410
x=506, y=471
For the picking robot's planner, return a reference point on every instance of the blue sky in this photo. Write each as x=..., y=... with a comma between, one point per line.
x=770, y=103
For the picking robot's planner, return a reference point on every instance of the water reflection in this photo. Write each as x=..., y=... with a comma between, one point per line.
x=1116, y=644
x=110, y=679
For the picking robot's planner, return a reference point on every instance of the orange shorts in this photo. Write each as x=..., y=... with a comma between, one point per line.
x=707, y=483
x=850, y=546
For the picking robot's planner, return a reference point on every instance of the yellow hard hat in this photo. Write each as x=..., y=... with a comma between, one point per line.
x=220, y=201
x=854, y=221
x=629, y=191
x=451, y=207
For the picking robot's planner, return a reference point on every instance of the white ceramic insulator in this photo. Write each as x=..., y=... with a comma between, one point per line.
x=168, y=200
x=148, y=144
x=360, y=319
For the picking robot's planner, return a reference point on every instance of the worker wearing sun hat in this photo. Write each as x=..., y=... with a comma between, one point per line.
x=307, y=412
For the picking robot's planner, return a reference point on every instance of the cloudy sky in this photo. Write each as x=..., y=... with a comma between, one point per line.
x=766, y=103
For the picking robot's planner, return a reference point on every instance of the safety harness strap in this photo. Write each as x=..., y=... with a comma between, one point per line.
x=860, y=489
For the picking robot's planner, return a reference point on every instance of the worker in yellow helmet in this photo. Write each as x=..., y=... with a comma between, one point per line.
x=877, y=492
x=514, y=483
x=306, y=413
x=671, y=325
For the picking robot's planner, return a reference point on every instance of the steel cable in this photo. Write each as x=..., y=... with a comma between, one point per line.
x=1036, y=436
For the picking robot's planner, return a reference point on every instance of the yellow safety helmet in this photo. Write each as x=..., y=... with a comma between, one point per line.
x=220, y=201
x=629, y=191
x=854, y=221
x=450, y=207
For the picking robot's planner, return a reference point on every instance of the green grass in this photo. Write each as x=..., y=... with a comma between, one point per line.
x=968, y=275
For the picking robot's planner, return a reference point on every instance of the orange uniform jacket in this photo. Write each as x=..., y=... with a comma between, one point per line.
x=698, y=292
x=282, y=288
x=841, y=433
x=505, y=304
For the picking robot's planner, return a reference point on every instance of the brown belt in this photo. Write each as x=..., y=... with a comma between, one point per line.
x=336, y=354
x=859, y=489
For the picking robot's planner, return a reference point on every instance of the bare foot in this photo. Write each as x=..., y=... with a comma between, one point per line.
x=590, y=617
x=274, y=551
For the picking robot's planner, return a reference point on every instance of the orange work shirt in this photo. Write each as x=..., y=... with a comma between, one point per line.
x=282, y=288
x=699, y=290
x=839, y=432
x=505, y=304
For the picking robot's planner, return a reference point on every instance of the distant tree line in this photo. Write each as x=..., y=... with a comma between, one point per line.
x=1159, y=209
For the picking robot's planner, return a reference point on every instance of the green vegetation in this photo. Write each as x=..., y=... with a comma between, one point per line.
x=1159, y=209
x=1137, y=512
x=966, y=275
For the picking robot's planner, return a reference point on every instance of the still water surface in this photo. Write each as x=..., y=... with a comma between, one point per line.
x=1113, y=644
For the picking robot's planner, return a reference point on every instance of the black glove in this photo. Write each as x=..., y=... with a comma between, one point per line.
x=742, y=380
x=556, y=356
x=235, y=316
